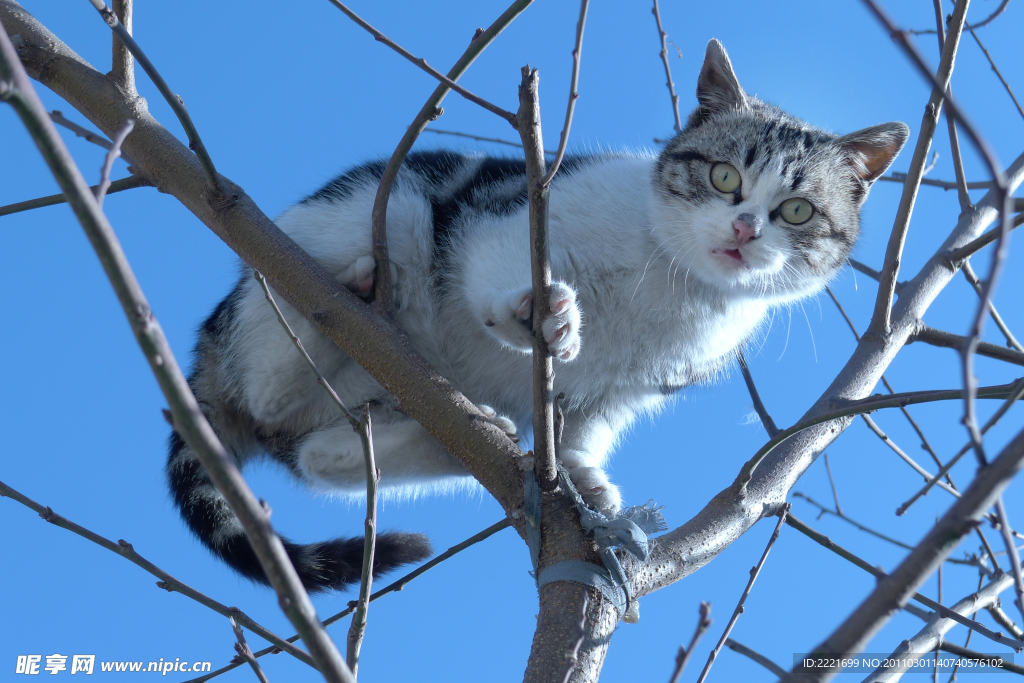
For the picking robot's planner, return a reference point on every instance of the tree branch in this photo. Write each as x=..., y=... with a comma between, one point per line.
x=122, y=67
x=577, y=54
x=901, y=225
x=684, y=654
x=167, y=582
x=128, y=183
x=189, y=421
x=662, y=35
x=948, y=340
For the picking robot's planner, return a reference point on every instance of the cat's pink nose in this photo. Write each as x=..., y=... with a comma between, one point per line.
x=744, y=233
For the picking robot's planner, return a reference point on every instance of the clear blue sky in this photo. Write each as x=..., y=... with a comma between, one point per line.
x=286, y=96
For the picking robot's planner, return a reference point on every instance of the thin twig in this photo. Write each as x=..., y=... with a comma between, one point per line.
x=528, y=124
x=957, y=256
x=740, y=648
x=868, y=405
x=996, y=69
x=111, y=156
x=129, y=183
x=978, y=287
x=832, y=483
x=242, y=648
x=948, y=340
x=357, y=630
x=188, y=419
x=999, y=10
x=1011, y=550
x=684, y=654
x=904, y=457
x=662, y=35
x=826, y=542
x=901, y=584
x=577, y=55
x=320, y=379
x=422, y=64
x=899, y=177
x=997, y=662
x=393, y=587
x=480, y=138
x=122, y=66
x=167, y=582
x=1014, y=396
x=81, y=131
x=746, y=591
x=880, y=318
x=762, y=412
x=954, y=140
x=877, y=534
x=383, y=294
x=1001, y=618
x=195, y=143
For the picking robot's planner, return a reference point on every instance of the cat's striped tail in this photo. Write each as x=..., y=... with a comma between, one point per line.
x=330, y=565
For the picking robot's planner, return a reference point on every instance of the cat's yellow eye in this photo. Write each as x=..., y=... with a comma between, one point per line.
x=796, y=211
x=725, y=178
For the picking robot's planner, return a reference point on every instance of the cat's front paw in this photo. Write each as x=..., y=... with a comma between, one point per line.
x=359, y=277
x=597, y=491
x=510, y=319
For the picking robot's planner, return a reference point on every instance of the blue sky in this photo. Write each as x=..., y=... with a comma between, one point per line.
x=286, y=99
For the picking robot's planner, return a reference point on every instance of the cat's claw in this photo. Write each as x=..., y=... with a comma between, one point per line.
x=597, y=491
x=561, y=329
x=500, y=421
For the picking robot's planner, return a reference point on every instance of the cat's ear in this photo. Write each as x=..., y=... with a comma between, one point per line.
x=870, y=151
x=717, y=87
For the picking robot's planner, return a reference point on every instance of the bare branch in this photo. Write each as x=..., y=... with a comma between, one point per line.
x=954, y=141
x=108, y=162
x=122, y=66
x=832, y=483
x=969, y=274
x=684, y=654
x=826, y=542
x=955, y=649
x=762, y=412
x=422, y=63
x=195, y=143
x=528, y=124
x=83, y=132
x=662, y=35
x=742, y=649
x=499, y=141
x=948, y=340
x=167, y=582
x=577, y=54
x=957, y=256
x=391, y=588
x=129, y=183
x=242, y=648
x=898, y=177
x=904, y=457
x=1011, y=550
x=992, y=63
x=893, y=591
x=189, y=421
x=999, y=10
x=384, y=297
x=880, y=319
x=928, y=638
x=358, y=628
x=743, y=598
x=1014, y=396
x=1001, y=618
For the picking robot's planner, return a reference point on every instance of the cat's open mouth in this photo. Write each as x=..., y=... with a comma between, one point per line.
x=733, y=254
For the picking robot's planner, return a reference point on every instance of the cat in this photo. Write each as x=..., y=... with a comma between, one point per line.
x=663, y=266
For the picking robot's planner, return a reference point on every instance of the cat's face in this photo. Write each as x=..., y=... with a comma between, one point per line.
x=756, y=202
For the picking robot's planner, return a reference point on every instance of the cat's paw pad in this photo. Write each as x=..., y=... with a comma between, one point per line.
x=359, y=276
x=562, y=329
x=597, y=491
x=511, y=320
x=500, y=421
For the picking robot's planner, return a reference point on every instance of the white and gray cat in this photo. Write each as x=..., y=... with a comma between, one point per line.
x=663, y=266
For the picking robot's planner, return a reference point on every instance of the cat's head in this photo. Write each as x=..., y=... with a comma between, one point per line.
x=756, y=202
